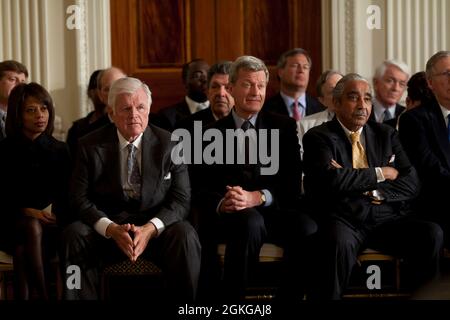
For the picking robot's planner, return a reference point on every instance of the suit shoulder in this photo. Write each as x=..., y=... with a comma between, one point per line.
x=381, y=128
x=162, y=134
x=98, y=136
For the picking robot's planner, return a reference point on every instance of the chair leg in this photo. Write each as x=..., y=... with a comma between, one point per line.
x=397, y=274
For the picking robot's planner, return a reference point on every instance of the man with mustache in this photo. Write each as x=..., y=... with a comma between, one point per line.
x=361, y=182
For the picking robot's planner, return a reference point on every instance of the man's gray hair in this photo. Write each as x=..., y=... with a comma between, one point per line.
x=433, y=60
x=339, y=89
x=381, y=69
x=127, y=85
x=248, y=63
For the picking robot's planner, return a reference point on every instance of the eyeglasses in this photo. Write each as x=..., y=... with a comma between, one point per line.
x=391, y=81
x=305, y=67
x=442, y=74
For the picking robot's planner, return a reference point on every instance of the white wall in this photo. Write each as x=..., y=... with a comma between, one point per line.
x=411, y=31
x=35, y=32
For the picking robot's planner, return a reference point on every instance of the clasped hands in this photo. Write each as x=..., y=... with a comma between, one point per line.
x=131, y=239
x=236, y=199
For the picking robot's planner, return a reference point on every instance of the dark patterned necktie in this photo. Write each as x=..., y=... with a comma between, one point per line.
x=133, y=174
x=387, y=115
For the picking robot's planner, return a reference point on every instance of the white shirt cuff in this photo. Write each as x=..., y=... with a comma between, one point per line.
x=159, y=225
x=101, y=225
x=269, y=198
x=380, y=176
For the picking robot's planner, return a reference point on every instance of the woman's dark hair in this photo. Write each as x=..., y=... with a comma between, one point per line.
x=16, y=101
x=93, y=80
x=418, y=89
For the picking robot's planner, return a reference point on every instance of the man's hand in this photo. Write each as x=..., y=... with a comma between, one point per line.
x=120, y=235
x=237, y=199
x=389, y=173
x=142, y=236
x=44, y=217
x=335, y=165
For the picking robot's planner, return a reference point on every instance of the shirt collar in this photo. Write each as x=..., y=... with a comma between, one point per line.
x=289, y=100
x=123, y=143
x=379, y=108
x=195, y=106
x=238, y=121
x=348, y=132
x=445, y=112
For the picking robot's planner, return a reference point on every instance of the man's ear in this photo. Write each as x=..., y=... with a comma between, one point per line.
x=321, y=100
x=430, y=83
x=110, y=111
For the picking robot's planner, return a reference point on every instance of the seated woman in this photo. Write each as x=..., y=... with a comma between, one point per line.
x=35, y=174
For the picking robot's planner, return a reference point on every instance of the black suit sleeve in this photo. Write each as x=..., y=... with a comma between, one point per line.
x=80, y=189
x=406, y=186
x=415, y=140
x=323, y=178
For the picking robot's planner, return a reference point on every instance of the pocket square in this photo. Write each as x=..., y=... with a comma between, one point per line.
x=167, y=176
x=392, y=159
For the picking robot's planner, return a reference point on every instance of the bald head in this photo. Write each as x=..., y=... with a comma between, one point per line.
x=105, y=80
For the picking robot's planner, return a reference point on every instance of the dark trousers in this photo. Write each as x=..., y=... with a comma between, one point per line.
x=176, y=251
x=244, y=233
x=418, y=242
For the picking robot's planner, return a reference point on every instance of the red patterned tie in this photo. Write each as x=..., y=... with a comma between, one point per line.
x=295, y=111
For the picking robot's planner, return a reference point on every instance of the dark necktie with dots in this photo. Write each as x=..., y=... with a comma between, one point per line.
x=133, y=174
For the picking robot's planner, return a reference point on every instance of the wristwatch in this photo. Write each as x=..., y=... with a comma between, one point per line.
x=262, y=198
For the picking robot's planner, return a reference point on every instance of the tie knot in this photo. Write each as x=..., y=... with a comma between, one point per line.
x=354, y=137
x=387, y=115
x=246, y=125
x=131, y=148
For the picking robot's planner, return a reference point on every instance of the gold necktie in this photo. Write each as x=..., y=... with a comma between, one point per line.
x=359, y=159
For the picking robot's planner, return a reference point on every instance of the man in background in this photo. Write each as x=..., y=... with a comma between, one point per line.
x=11, y=74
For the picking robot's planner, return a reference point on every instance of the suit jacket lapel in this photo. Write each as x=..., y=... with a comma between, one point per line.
x=373, y=148
x=151, y=166
x=440, y=131
x=342, y=143
x=109, y=155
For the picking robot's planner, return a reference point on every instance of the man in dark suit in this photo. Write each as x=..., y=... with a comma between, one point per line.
x=12, y=73
x=389, y=83
x=424, y=132
x=194, y=75
x=131, y=199
x=219, y=98
x=247, y=205
x=360, y=181
x=293, y=72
